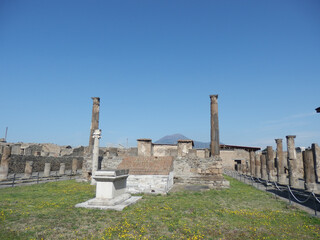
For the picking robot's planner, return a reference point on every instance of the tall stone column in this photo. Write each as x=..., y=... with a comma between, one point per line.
x=47, y=169
x=28, y=169
x=270, y=164
x=95, y=157
x=292, y=162
x=252, y=165
x=316, y=158
x=263, y=166
x=309, y=173
x=94, y=121
x=257, y=166
x=4, y=166
x=215, y=142
x=281, y=176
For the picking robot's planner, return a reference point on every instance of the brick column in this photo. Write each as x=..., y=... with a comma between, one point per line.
x=292, y=162
x=94, y=121
x=281, y=176
x=257, y=165
x=215, y=142
x=252, y=165
x=270, y=164
x=263, y=162
x=309, y=173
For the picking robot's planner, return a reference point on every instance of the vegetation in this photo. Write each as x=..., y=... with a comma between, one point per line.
x=46, y=211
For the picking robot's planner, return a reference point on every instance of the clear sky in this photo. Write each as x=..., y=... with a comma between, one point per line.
x=154, y=65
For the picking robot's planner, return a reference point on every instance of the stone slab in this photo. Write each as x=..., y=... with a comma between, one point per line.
x=118, y=207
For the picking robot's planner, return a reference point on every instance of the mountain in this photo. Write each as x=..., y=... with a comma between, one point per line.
x=173, y=139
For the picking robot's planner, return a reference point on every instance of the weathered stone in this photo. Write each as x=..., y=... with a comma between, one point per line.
x=263, y=167
x=28, y=169
x=316, y=158
x=270, y=164
x=215, y=142
x=252, y=165
x=62, y=169
x=144, y=147
x=94, y=121
x=4, y=166
x=74, y=166
x=292, y=162
x=257, y=166
x=184, y=146
x=309, y=173
x=281, y=176
x=47, y=169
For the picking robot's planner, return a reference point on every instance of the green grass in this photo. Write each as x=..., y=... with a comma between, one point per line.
x=47, y=211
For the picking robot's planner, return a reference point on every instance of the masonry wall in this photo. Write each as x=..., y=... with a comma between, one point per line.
x=229, y=157
x=18, y=162
x=165, y=150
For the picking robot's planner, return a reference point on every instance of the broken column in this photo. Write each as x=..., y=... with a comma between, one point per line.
x=215, y=142
x=316, y=158
x=144, y=147
x=74, y=167
x=257, y=165
x=263, y=162
x=309, y=173
x=184, y=146
x=95, y=156
x=292, y=162
x=94, y=121
x=252, y=165
x=270, y=164
x=46, y=172
x=62, y=169
x=281, y=176
x=4, y=166
x=28, y=169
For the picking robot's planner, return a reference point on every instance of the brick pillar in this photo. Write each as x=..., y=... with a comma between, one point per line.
x=215, y=142
x=281, y=176
x=270, y=164
x=292, y=162
x=257, y=165
x=263, y=162
x=28, y=169
x=252, y=165
x=4, y=166
x=94, y=121
x=316, y=158
x=309, y=173
x=46, y=172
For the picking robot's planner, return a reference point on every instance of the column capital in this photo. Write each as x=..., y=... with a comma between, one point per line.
x=278, y=140
x=214, y=96
x=291, y=136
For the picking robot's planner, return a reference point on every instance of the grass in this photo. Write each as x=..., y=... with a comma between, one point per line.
x=46, y=211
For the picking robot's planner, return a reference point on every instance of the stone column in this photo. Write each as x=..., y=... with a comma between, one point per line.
x=62, y=169
x=309, y=173
x=292, y=162
x=94, y=121
x=252, y=166
x=281, y=176
x=316, y=158
x=215, y=142
x=95, y=157
x=46, y=172
x=4, y=166
x=257, y=166
x=74, y=167
x=28, y=169
x=263, y=166
x=270, y=164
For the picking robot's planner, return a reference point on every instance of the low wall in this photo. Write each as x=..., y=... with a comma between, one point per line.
x=17, y=163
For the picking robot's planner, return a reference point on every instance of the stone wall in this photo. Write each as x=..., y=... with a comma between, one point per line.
x=17, y=163
x=229, y=157
x=161, y=150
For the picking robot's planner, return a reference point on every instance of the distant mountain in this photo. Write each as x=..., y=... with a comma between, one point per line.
x=173, y=139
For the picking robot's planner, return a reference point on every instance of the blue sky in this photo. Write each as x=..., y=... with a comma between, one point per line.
x=154, y=65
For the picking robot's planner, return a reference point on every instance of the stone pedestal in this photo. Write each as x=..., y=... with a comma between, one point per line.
x=4, y=166
x=28, y=169
x=309, y=173
x=47, y=169
x=281, y=176
x=263, y=167
x=292, y=162
x=110, y=191
x=62, y=169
